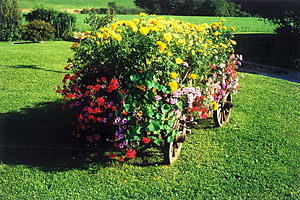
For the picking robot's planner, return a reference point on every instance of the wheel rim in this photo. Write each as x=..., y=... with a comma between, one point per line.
x=222, y=114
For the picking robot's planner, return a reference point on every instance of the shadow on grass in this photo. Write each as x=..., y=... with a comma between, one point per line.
x=42, y=137
x=33, y=67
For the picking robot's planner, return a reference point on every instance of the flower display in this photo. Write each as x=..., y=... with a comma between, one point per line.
x=129, y=81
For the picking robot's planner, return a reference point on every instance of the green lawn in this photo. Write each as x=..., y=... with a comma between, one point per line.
x=256, y=156
x=72, y=4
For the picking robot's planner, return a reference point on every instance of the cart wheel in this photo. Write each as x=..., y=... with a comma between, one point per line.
x=172, y=150
x=222, y=114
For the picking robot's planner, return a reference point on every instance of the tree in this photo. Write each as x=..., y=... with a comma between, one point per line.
x=285, y=14
x=10, y=20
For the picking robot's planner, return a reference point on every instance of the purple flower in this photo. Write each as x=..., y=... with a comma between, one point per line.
x=117, y=120
x=117, y=133
x=125, y=143
x=124, y=127
x=104, y=120
x=121, y=146
x=111, y=114
x=121, y=136
x=103, y=85
x=77, y=103
x=111, y=103
x=72, y=105
x=124, y=121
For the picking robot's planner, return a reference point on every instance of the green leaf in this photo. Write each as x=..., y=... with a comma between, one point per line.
x=157, y=141
x=135, y=77
x=158, y=116
x=170, y=139
x=154, y=125
x=165, y=108
x=170, y=114
x=137, y=138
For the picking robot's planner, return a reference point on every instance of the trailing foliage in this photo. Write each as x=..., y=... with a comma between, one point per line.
x=39, y=30
x=63, y=22
x=10, y=20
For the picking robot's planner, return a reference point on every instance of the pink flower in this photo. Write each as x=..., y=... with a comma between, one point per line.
x=158, y=98
x=173, y=101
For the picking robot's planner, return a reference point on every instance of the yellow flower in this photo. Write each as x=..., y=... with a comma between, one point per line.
x=232, y=28
x=222, y=19
x=99, y=35
x=178, y=61
x=216, y=33
x=143, y=87
x=135, y=29
x=215, y=105
x=167, y=37
x=154, y=91
x=225, y=28
x=144, y=30
x=116, y=37
x=208, y=41
x=173, y=75
x=193, y=76
x=162, y=46
x=143, y=14
x=140, y=113
x=105, y=35
x=173, y=85
x=233, y=42
x=136, y=20
x=200, y=51
x=148, y=132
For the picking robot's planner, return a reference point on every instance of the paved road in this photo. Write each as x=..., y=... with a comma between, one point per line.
x=270, y=71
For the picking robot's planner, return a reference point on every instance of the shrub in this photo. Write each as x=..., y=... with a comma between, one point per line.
x=140, y=76
x=10, y=20
x=38, y=30
x=63, y=22
x=97, y=22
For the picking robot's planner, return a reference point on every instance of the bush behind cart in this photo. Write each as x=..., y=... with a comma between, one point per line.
x=140, y=78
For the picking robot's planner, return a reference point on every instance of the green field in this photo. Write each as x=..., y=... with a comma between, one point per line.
x=242, y=24
x=255, y=157
x=72, y=4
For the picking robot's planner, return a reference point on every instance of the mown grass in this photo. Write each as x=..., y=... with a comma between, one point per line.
x=255, y=156
x=71, y=4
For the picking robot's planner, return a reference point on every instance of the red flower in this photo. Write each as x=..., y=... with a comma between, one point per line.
x=103, y=79
x=112, y=155
x=99, y=119
x=113, y=108
x=124, y=112
x=204, y=116
x=202, y=97
x=112, y=85
x=97, y=137
x=213, y=66
x=90, y=110
x=195, y=108
x=205, y=110
x=146, y=140
x=80, y=118
x=116, y=145
x=121, y=159
x=130, y=153
x=101, y=100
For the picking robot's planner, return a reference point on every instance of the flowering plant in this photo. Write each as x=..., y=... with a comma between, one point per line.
x=140, y=76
